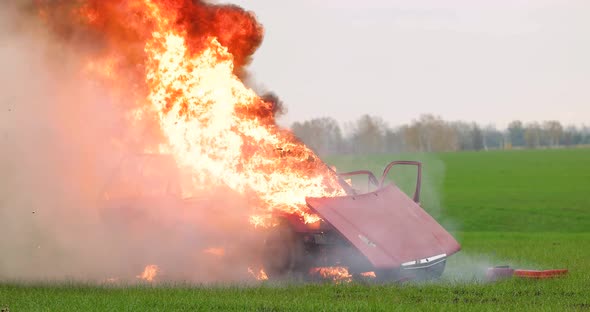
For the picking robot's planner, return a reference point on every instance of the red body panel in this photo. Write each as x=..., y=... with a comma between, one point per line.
x=540, y=274
x=386, y=226
x=497, y=273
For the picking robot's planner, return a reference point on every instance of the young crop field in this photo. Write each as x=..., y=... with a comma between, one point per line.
x=526, y=209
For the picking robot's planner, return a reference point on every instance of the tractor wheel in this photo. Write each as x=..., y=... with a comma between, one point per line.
x=283, y=252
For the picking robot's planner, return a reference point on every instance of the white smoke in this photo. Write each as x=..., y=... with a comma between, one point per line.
x=61, y=139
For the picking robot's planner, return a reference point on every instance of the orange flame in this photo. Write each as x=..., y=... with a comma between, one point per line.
x=260, y=276
x=187, y=57
x=149, y=273
x=369, y=274
x=336, y=274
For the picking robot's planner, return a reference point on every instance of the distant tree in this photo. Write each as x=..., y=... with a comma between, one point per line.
x=464, y=135
x=585, y=134
x=532, y=135
x=430, y=134
x=411, y=137
x=571, y=136
x=469, y=136
x=393, y=141
x=493, y=138
x=323, y=135
x=516, y=133
x=568, y=136
x=553, y=132
x=477, y=135
x=368, y=135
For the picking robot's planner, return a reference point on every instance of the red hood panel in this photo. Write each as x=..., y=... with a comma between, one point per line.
x=386, y=226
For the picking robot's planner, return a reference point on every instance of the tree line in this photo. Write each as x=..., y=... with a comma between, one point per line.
x=429, y=133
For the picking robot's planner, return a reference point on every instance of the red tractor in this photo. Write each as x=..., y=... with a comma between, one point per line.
x=382, y=230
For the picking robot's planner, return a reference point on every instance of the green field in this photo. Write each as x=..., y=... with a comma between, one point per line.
x=527, y=209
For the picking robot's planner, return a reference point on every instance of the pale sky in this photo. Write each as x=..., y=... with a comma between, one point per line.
x=486, y=61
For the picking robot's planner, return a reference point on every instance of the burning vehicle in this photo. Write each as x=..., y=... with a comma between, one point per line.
x=381, y=231
x=175, y=70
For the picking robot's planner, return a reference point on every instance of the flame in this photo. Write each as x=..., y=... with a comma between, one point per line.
x=187, y=57
x=260, y=276
x=369, y=274
x=206, y=121
x=149, y=273
x=336, y=274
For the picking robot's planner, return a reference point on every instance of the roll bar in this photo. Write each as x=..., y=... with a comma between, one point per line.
x=406, y=163
x=380, y=183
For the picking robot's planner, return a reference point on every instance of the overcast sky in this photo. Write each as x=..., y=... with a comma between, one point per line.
x=487, y=61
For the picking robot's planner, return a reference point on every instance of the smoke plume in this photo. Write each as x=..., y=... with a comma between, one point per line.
x=64, y=136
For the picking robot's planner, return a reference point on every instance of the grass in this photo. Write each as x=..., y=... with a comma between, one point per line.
x=529, y=209
x=466, y=293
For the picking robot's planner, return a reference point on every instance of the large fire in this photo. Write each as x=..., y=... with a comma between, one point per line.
x=183, y=59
